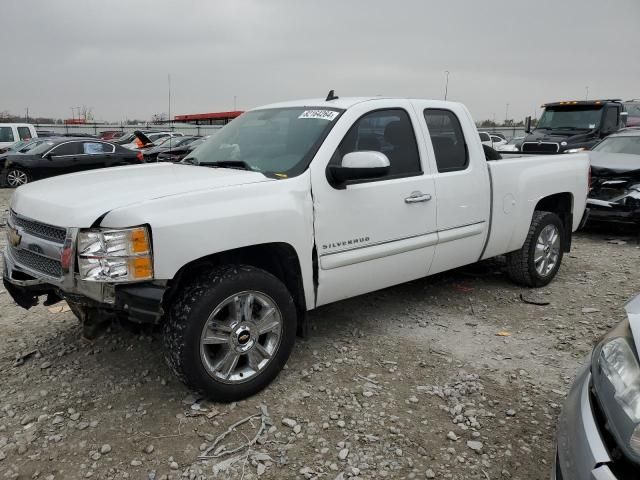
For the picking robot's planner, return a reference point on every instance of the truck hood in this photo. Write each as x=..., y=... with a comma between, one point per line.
x=77, y=200
x=613, y=164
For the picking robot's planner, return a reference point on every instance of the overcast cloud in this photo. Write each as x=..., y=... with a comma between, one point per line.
x=115, y=55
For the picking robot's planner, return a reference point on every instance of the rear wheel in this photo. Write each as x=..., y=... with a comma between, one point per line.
x=14, y=177
x=539, y=259
x=230, y=332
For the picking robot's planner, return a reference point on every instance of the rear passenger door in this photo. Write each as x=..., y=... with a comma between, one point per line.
x=95, y=155
x=462, y=186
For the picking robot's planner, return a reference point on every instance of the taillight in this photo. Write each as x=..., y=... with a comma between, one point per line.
x=140, y=156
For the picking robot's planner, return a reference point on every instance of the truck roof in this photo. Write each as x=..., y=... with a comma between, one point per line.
x=341, y=102
x=569, y=103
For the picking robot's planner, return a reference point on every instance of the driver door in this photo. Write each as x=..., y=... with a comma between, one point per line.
x=377, y=232
x=62, y=158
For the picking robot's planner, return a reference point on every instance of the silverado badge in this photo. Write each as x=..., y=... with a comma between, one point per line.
x=13, y=236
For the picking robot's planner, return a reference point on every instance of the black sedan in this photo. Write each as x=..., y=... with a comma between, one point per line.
x=63, y=155
x=178, y=153
x=168, y=144
x=615, y=187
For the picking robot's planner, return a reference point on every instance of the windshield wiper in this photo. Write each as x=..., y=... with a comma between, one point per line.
x=237, y=164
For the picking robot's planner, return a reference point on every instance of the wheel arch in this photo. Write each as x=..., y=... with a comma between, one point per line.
x=562, y=205
x=278, y=258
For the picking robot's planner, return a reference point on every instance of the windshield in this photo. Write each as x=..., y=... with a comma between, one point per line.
x=41, y=148
x=583, y=117
x=629, y=145
x=277, y=141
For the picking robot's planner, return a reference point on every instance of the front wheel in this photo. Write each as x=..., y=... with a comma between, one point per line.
x=14, y=177
x=230, y=332
x=539, y=259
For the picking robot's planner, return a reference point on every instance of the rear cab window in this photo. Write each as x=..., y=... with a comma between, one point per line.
x=24, y=133
x=447, y=138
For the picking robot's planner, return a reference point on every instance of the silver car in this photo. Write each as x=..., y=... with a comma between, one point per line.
x=599, y=428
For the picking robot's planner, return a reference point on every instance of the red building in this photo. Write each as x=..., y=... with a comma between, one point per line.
x=215, y=118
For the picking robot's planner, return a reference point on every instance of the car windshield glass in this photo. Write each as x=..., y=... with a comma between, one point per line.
x=619, y=145
x=275, y=141
x=41, y=148
x=582, y=117
x=515, y=140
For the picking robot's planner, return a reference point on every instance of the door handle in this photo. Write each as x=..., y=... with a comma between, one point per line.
x=417, y=197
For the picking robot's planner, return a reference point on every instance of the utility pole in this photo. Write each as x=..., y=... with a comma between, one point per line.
x=169, y=83
x=446, y=84
x=506, y=114
x=27, y=115
x=586, y=97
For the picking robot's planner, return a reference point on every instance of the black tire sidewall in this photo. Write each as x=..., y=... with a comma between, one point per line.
x=548, y=219
x=245, y=278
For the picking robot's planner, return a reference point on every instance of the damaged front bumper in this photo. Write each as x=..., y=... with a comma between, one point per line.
x=606, y=211
x=39, y=260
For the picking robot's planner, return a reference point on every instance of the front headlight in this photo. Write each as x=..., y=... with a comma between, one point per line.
x=575, y=150
x=115, y=255
x=616, y=380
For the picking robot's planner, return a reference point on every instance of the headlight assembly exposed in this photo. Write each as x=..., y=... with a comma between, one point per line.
x=616, y=379
x=106, y=255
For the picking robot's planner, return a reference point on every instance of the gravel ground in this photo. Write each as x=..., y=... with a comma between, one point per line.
x=451, y=377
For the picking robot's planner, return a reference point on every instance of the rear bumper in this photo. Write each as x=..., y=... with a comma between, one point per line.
x=581, y=452
x=140, y=302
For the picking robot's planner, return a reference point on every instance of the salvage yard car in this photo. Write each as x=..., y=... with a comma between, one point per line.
x=615, y=188
x=57, y=156
x=599, y=426
x=289, y=207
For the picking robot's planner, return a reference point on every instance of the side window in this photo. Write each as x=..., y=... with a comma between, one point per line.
x=484, y=137
x=447, y=140
x=496, y=139
x=24, y=133
x=6, y=134
x=96, y=148
x=386, y=131
x=70, y=148
x=611, y=118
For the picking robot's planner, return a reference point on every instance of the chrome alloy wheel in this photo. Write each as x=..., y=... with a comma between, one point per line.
x=241, y=337
x=547, y=250
x=15, y=178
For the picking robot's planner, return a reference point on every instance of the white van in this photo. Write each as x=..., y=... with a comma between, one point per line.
x=14, y=132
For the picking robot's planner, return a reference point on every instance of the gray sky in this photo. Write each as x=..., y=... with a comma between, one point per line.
x=115, y=55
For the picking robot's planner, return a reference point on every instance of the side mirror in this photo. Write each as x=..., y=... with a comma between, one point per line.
x=48, y=156
x=527, y=125
x=359, y=166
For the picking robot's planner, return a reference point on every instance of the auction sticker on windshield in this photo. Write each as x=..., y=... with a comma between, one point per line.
x=320, y=114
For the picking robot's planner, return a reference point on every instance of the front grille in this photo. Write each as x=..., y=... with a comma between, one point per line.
x=41, y=230
x=36, y=262
x=544, y=147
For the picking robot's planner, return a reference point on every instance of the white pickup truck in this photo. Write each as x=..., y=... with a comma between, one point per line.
x=289, y=207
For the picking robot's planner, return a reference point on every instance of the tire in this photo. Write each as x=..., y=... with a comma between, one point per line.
x=524, y=266
x=210, y=323
x=14, y=177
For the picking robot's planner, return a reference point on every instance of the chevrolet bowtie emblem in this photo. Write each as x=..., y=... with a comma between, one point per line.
x=14, y=237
